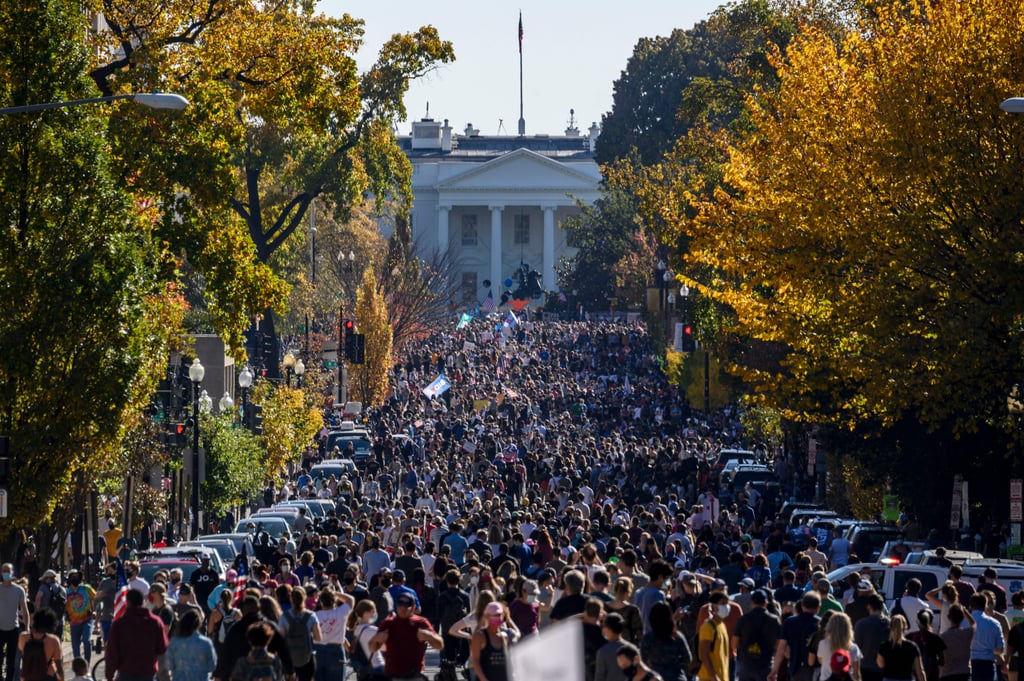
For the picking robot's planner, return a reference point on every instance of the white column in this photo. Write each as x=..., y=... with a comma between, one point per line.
x=548, y=272
x=442, y=229
x=496, y=276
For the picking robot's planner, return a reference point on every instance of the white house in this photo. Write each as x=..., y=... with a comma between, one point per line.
x=494, y=203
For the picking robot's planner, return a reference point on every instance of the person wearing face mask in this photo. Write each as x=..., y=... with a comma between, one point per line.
x=131, y=571
x=105, y=595
x=731, y=618
x=489, y=647
x=525, y=610
x=713, y=640
x=633, y=668
x=286, y=576
x=81, y=601
x=13, y=615
x=366, y=658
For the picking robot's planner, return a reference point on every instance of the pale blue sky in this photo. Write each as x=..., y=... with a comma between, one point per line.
x=572, y=52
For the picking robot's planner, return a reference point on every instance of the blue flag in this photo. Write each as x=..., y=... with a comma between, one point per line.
x=437, y=387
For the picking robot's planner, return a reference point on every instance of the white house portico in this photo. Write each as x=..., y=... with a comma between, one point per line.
x=494, y=204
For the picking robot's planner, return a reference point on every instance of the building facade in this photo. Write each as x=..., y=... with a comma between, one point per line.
x=495, y=204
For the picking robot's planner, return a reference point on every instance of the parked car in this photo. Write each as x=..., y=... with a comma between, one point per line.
x=869, y=537
x=335, y=467
x=929, y=557
x=741, y=455
x=274, y=526
x=224, y=548
x=187, y=558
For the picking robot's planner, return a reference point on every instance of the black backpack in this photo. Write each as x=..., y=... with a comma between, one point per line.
x=453, y=606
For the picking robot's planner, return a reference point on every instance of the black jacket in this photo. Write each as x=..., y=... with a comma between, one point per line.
x=236, y=647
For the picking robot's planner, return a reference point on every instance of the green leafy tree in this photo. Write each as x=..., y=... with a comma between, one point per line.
x=83, y=318
x=234, y=464
x=279, y=117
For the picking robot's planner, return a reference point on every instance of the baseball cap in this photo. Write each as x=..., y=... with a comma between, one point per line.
x=718, y=584
x=864, y=585
x=398, y=576
x=405, y=600
x=494, y=609
x=747, y=582
x=689, y=577
x=758, y=596
x=840, y=661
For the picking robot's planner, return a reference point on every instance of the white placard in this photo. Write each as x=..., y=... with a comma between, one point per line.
x=555, y=655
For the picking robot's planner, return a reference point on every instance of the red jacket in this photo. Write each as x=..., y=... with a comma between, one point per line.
x=136, y=640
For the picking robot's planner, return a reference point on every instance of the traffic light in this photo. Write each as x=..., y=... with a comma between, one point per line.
x=359, y=349
x=176, y=436
x=689, y=344
x=257, y=419
x=349, y=327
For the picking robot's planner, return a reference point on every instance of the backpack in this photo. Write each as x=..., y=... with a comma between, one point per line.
x=453, y=606
x=300, y=644
x=58, y=601
x=261, y=669
x=34, y=664
x=695, y=663
x=225, y=625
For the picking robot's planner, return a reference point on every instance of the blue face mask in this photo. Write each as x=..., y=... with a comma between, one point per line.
x=7, y=576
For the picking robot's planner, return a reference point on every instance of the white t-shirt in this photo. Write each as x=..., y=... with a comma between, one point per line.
x=332, y=624
x=825, y=657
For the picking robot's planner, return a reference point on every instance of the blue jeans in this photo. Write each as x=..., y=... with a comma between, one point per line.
x=81, y=634
x=330, y=662
x=105, y=628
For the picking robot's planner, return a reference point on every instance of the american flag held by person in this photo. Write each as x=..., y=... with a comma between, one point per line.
x=122, y=590
x=243, y=577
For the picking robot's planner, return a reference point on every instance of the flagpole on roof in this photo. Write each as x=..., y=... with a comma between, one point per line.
x=522, y=121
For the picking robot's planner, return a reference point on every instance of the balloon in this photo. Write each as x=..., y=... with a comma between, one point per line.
x=508, y=283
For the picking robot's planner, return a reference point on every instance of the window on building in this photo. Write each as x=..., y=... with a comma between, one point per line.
x=469, y=287
x=522, y=229
x=469, y=237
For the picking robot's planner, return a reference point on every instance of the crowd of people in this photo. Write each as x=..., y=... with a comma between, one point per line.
x=559, y=479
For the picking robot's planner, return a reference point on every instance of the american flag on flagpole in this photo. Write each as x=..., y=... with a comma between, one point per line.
x=488, y=303
x=243, y=576
x=120, y=604
x=520, y=33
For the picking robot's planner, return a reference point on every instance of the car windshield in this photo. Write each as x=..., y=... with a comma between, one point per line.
x=148, y=569
x=225, y=550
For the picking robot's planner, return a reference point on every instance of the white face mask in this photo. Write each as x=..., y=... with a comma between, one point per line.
x=723, y=610
x=371, y=618
x=474, y=580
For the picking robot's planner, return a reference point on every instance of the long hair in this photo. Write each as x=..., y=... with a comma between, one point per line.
x=362, y=607
x=897, y=628
x=839, y=631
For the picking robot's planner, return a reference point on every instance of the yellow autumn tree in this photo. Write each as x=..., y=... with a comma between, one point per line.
x=369, y=380
x=290, y=421
x=869, y=218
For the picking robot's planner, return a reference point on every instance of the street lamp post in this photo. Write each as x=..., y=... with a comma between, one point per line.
x=244, y=381
x=154, y=100
x=684, y=291
x=195, y=374
x=660, y=281
x=347, y=269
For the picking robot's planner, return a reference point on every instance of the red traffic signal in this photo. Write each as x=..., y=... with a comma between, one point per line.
x=350, y=326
